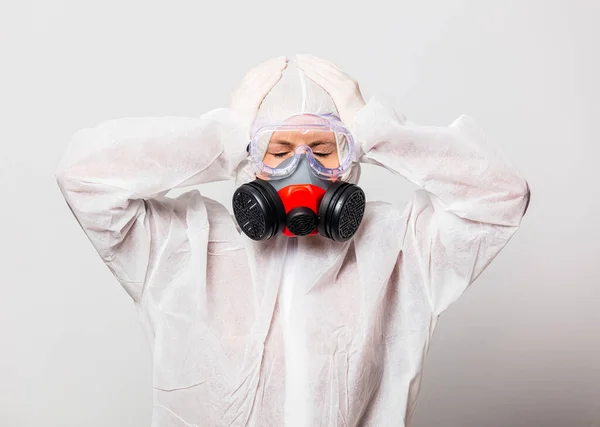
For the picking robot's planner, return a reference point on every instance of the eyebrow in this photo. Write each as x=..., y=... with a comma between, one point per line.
x=311, y=144
x=281, y=142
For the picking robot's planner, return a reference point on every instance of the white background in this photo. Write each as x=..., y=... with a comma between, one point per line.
x=521, y=348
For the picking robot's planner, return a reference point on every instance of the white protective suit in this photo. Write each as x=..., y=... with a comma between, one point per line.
x=291, y=331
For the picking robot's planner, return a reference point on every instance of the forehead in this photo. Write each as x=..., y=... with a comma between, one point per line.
x=296, y=137
x=303, y=136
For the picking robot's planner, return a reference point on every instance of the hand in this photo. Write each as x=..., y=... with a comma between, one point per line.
x=255, y=85
x=343, y=89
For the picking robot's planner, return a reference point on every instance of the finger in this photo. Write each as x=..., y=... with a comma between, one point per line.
x=334, y=77
x=265, y=71
x=320, y=80
x=320, y=62
x=263, y=86
x=257, y=85
x=331, y=82
x=268, y=82
x=278, y=63
x=268, y=78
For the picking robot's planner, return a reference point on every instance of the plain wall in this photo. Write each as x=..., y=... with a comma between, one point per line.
x=521, y=348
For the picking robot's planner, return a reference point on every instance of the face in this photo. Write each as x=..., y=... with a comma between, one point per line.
x=283, y=144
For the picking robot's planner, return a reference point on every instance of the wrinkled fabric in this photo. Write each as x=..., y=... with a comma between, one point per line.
x=292, y=331
x=293, y=94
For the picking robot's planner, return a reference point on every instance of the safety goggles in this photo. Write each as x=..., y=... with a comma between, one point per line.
x=275, y=150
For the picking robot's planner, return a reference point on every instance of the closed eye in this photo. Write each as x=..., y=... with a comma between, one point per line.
x=283, y=154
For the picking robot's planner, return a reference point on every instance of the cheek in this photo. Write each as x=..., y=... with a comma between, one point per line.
x=274, y=161
x=271, y=161
x=332, y=161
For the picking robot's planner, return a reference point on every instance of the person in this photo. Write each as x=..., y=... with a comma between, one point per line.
x=294, y=331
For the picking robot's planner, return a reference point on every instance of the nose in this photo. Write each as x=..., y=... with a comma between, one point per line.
x=302, y=150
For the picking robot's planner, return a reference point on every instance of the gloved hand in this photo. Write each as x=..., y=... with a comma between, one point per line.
x=343, y=89
x=255, y=85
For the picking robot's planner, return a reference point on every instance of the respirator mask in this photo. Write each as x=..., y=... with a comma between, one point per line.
x=299, y=189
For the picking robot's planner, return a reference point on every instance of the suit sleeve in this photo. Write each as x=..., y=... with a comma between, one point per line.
x=469, y=204
x=114, y=178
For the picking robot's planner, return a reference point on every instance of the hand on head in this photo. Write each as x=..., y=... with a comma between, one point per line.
x=259, y=81
x=255, y=85
x=343, y=89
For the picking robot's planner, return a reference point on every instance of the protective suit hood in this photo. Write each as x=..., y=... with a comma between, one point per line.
x=294, y=94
